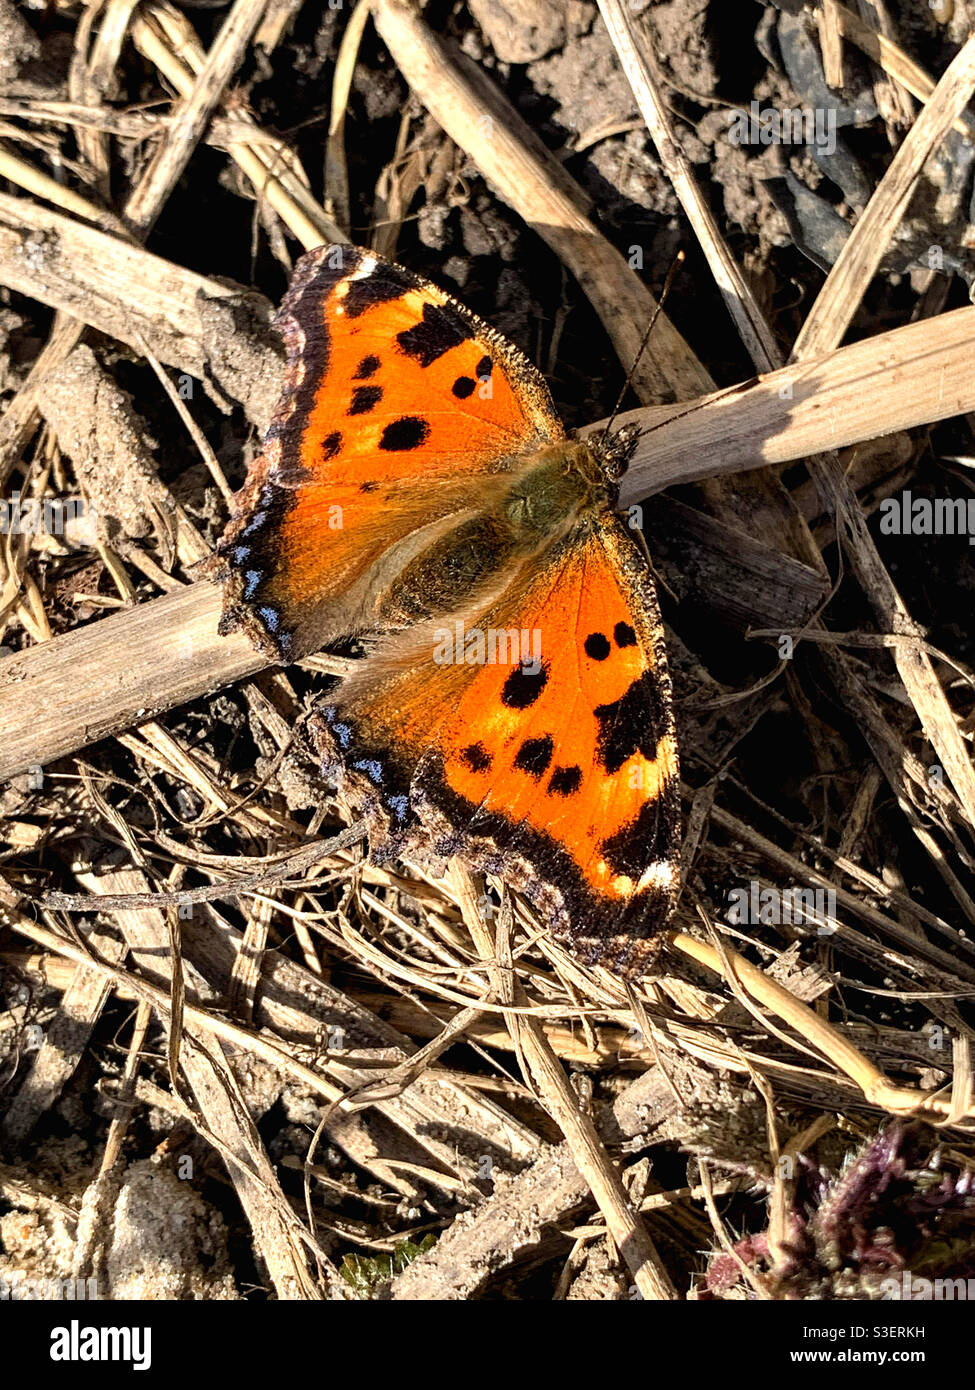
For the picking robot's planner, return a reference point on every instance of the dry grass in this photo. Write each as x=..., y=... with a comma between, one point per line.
x=423, y=1031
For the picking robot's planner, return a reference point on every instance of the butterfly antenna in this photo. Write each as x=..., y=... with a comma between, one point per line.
x=675, y=265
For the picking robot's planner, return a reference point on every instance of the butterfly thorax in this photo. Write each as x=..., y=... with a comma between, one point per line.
x=554, y=487
x=522, y=513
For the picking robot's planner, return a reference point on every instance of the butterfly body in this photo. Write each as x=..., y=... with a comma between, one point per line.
x=518, y=515
x=417, y=490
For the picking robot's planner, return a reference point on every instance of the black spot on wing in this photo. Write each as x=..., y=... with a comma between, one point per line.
x=476, y=757
x=331, y=445
x=596, y=927
x=597, y=646
x=439, y=331
x=637, y=843
x=463, y=387
x=534, y=756
x=522, y=688
x=625, y=635
x=408, y=432
x=364, y=398
x=483, y=369
x=565, y=781
x=632, y=724
x=368, y=367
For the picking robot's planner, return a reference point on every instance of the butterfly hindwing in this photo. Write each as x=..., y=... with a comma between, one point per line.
x=396, y=399
x=559, y=774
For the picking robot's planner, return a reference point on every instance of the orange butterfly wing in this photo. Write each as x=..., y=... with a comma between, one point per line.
x=395, y=396
x=399, y=408
x=560, y=778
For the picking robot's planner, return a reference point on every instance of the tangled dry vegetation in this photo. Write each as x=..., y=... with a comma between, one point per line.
x=239, y=1058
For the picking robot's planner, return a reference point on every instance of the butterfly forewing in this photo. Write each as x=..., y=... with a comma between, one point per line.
x=396, y=399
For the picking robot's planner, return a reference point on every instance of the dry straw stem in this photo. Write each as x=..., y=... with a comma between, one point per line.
x=336, y=168
x=894, y=102
x=518, y=166
x=622, y=1222
x=81, y=693
x=192, y=114
x=730, y=281
x=18, y=171
x=93, y=78
x=892, y=58
x=143, y=205
x=428, y=1111
x=830, y=42
x=825, y=326
x=124, y=291
x=164, y=36
x=222, y=133
x=858, y=261
x=126, y=1095
x=898, y=1100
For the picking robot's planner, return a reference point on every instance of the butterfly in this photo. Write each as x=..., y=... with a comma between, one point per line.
x=417, y=491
